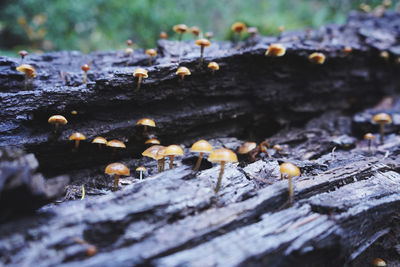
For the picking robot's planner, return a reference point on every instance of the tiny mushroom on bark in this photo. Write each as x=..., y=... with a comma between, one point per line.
x=29, y=72
x=129, y=42
x=77, y=137
x=172, y=151
x=278, y=148
x=201, y=146
x=209, y=35
x=238, y=28
x=253, y=31
x=369, y=137
x=202, y=43
x=152, y=141
x=289, y=170
x=222, y=155
x=347, y=49
x=85, y=68
x=141, y=169
x=182, y=71
x=156, y=152
x=114, y=144
x=180, y=29
x=117, y=169
x=248, y=148
x=100, y=141
x=151, y=53
x=275, y=50
x=146, y=122
x=317, y=58
x=382, y=119
x=379, y=262
x=57, y=120
x=140, y=73
x=195, y=31
x=128, y=51
x=23, y=54
x=213, y=66
x=163, y=35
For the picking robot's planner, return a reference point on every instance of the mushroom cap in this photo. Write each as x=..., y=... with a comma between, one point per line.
x=213, y=65
x=195, y=30
x=247, y=147
x=129, y=42
x=369, y=136
x=163, y=35
x=202, y=146
x=275, y=50
x=85, y=67
x=116, y=143
x=152, y=141
x=252, y=30
x=180, y=28
x=128, y=50
x=183, y=71
x=238, y=27
x=289, y=169
x=141, y=169
x=203, y=42
x=57, y=119
x=23, y=53
x=151, y=52
x=222, y=155
x=173, y=150
x=281, y=28
x=209, y=35
x=383, y=118
x=147, y=122
x=99, y=140
x=74, y=112
x=379, y=262
x=140, y=72
x=277, y=147
x=117, y=168
x=27, y=69
x=317, y=58
x=155, y=152
x=347, y=49
x=77, y=136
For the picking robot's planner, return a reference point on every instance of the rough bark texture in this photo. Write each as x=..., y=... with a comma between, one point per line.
x=345, y=201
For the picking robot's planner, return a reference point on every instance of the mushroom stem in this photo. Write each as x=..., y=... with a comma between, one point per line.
x=221, y=173
x=291, y=193
x=32, y=82
x=369, y=146
x=197, y=167
x=26, y=81
x=171, y=161
x=161, y=165
x=201, y=54
x=116, y=181
x=76, y=144
x=182, y=77
x=150, y=60
x=139, y=82
x=382, y=132
x=141, y=175
x=253, y=158
x=84, y=77
x=99, y=146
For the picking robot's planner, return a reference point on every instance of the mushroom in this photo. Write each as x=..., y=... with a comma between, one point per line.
x=253, y=31
x=29, y=72
x=379, y=262
x=57, y=120
x=115, y=144
x=213, y=66
x=202, y=43
x=275, y=50
x=222, y=155
x=146, y=122
x=238, y=28
x=140, y=73
x=129, y=42
x=141, y=169
x=180, y=29
x=172, y=151
x=347, y=49
x=289, y=170
x=156, y=152
x=23, y=54
x=209, y=35
x=151, y=53
x=74, y=112
x=117, y=169
x=263, y=147
x=247, y=148
x=85, y=68
x=201, y=146
x=382, y=119
x=365, y=8
x=195, y=31
x=100, y=141
x=77, y=137
x=152, y=141
x=128, y=52
x=278, y=148
x=281, y=29
x=317, y=58
x=369, y=137
x=182, y=71
x=385, y=55
x=163, y=35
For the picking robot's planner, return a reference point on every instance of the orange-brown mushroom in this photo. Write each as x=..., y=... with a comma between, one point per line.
x=140, y=73
x=195, y=31
x=382, y=119
x=278, y=148
x=57, y=120
x=163, y=35
x=238, y=28
x=369, y=137
x=222, y=155
x=100, y=141
x=379, y=262
x=77, y=137
x=202, y=43
x=289, y=170
x=347, y=49
x=151, y=53
x=183, y=71
x=23, y=54
x=275, y=50
x=141, y=169
x=180, y=29
x=248, y=148
x=172, y=151
x=156, y=152
x=85, y=68
x=117, y=169
x=152, y=141
x=202, y=147
x=317, y=58
x=146, y=122
x=29, y=72
x=114, y=144
x=129, y=42
x=209, y=35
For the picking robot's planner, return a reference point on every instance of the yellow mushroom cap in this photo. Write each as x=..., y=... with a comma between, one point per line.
x=213, y=65
x=140, y=72
x=27, y=69
x=173, y=150
x=147, y=122
x=155, y=152
x=247, y=147
x=317, y=58
x=77, y=136
x=180, y=28
x=275, y=50
x=203, y=42
x=379, y=262
x=183, y=71
x=163, y=35
x=116, y=143
x=74, y=112
x=383, y=118
x=195, y=30
x=57, y=119
x=117, y=168
x=99, y=140
x=152, y=141
x=141, y=169
x=289, y=169
x=281, y=28
x=202, y=146
x=128, y=50
x=222, y=155
x=238, y=27
x=369, y=136
x=151, y=52
x=277, y=147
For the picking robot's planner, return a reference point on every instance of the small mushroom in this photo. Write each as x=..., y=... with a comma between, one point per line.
x=156, y=152
x=201, y=146
x=146, y=122
x=281, y=29
x=141, y=169
x=263, y=147
x=248, y=148
x=172, y=151
x=100, y=141
x=85, y=68
x=195, y=31
x=77, y=137
x=252, y=31
x=385, y=55
x=289, y=170
x=74, y=112
x=128, y=51
x=114, y=144
x=163, y=35
x=180, y=29
x=152, y=141
x=202, y=43
x=213, y=66
x=222, y=155
x=140, y=73
x=275, y=50
x=23, y=54
x=379, y=262
x=182, y=71
x=151, y=53
x=369, y=137
x=347, y=49
x=317, y=58
x=29, y=72
x=117, y=169
x=129, y=42
x=238, y=28
x=209, y=35
x=382, y=119
x=365, y=8
x=57, y=120
x=278, y=148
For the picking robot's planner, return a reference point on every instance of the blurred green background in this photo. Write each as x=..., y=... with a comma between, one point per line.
x=87, y=25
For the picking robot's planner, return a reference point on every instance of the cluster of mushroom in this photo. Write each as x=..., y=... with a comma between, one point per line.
x=28, y=70
x=381, y=119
